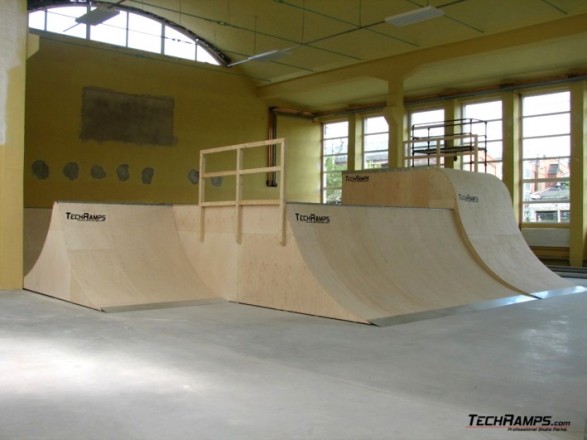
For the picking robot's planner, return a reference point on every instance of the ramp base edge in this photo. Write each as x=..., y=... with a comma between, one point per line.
x=559, y=292
x=450, y=311
x=161, y=305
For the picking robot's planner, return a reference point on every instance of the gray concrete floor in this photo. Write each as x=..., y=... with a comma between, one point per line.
x=228, y=371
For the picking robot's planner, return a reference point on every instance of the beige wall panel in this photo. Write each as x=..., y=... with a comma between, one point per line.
x=303, y=155
x=13, y=29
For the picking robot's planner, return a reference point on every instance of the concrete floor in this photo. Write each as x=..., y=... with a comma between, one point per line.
x=227, y=371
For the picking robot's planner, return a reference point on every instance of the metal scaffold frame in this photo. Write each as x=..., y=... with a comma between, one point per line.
x=455, y=138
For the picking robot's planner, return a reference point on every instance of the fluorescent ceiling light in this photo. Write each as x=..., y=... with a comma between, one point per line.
x=97, y=16
x=264, y=56
x=414, y=16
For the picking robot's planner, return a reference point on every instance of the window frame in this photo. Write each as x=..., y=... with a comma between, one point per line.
x=324, y=174
x=532, y=210
x=211, y=54
x=365, y=136
x=496, y=164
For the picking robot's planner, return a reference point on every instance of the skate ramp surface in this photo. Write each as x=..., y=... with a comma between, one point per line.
x=482, y=211
x=108, y=257
x=384, y=262
x=377, y=264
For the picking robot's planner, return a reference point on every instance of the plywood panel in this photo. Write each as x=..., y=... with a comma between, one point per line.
x=276, y=276
x=104, y=256
x=388, y=261
x=482, y=212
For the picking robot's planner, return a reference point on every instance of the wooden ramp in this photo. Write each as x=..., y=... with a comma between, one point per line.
x=367, y=264
x=259, y=270
x=450, y=246
x=110, y=257
x=482, y=212
x=389, y=262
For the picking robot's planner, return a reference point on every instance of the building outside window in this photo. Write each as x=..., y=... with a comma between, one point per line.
x=490, y=135
x=375, y=142
x=424, y=124
x=546, y=150
x=335, y=141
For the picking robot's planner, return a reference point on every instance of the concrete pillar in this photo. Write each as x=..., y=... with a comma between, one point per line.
x=395, y=114
x=355, y=142
x=13, y=34
x=511, y=148
x=578, y=174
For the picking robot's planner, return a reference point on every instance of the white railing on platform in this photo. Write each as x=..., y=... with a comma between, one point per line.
x=239, y=171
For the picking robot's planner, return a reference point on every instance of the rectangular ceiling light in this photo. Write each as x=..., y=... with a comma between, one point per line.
x=97, y=16
x=414, y=16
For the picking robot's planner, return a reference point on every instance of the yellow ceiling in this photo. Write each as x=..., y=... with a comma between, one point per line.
x=329, y=35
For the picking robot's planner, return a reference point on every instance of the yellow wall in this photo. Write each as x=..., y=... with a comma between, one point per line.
x=303, y=155
x=13, y=28
x=212, y=108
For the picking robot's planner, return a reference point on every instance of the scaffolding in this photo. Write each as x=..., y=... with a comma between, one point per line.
x=431, y=144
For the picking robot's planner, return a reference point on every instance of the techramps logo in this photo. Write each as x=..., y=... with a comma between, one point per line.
x=512, y=422
x=468, y=198
x=357, y=178
x=312, y=218
x=85, y=217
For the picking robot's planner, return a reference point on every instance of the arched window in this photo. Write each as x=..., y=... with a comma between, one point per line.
x=126, y=27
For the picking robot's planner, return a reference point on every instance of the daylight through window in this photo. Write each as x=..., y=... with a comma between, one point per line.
x=375, y=142
x=546, y=151
x=335, y=142
x=124, y=28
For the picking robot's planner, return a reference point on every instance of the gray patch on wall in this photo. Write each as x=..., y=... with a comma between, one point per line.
x=98, y=172
x=194, y=176
x=147, y=175
x=138, y=119
x=216, y=181
x=40, y=169
x=123, y=172
x=71, y=170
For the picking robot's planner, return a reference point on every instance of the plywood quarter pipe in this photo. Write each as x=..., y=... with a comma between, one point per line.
x=484, y=213
x=106, y=256
x=384, y=262
x=482, y=210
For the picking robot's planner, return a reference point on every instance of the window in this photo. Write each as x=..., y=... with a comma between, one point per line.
x=335, y=141
x=546, y=149
x=491, y=113
x=424, y=124
x=126, y=28
x=375, y=142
